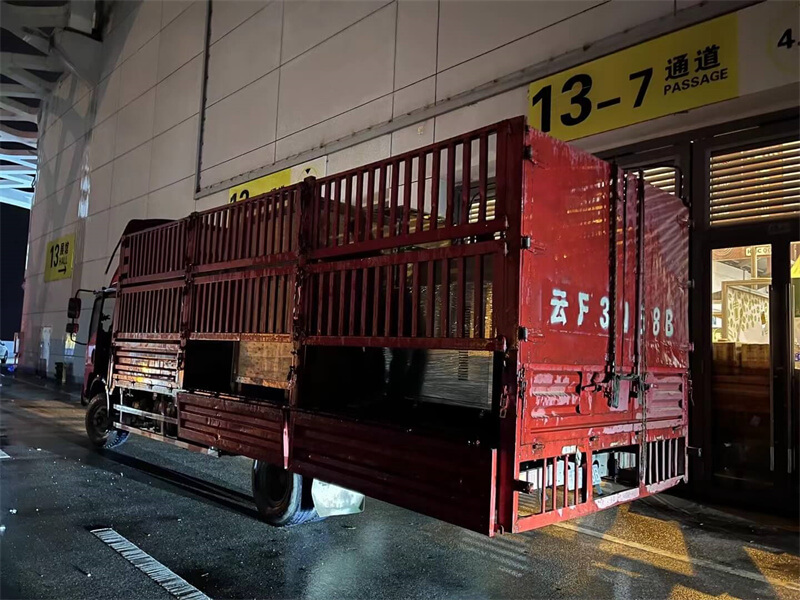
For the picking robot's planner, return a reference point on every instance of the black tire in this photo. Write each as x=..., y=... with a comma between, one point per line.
x=283, y=498
x=98, y=425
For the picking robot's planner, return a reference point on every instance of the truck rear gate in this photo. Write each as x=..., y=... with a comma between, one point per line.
x=453, y=330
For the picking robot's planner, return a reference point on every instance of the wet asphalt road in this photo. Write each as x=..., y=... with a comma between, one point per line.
x=193, y=514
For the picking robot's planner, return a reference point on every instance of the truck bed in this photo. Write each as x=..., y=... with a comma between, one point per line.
x=452, y=330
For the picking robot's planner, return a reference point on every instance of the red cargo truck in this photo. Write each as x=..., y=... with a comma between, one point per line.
x=490, y=330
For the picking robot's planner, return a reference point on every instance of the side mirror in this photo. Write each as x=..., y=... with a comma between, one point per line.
x=74, y=308
x=72, y=328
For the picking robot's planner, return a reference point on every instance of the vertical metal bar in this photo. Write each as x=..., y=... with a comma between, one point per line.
x=369, y=206
x=554, y=482
x=283, y=199
x=431, y=309
x=451, y=184
x=461, y=311
x=466, y=175
x=376, y=300
x=421, y=172
x=364, y=303
x=247, y=230
x=477, y=302
x=280, y=305
x=543, y=489
x=415, y=300
x=336, y=186
x=483, y=168
x=445, y=298
x=381, y=200
x=436, y=156
x=274, y=219
x=316, y=227
x=348, y=193
x=329, y=304
x=402, y=272
x=240, y=225
x=342, y=300
x=320, y=300
x=387, y=325
x=357, y=210
x=393, y=199
x=270, y=303
x=351, y=330
x=409, y=168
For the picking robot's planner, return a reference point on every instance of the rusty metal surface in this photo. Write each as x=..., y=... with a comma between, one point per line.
x=250, y=429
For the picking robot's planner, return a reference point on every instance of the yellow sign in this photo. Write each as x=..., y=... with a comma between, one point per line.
x=273, y=181
x=259, y=186
x=692, y=67
x=59, y=259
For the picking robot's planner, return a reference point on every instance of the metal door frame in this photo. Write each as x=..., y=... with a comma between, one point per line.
x=690, y=153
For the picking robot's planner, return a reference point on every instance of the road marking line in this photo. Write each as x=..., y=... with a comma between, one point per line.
x=3, y=455
x=175, y=585
x=686, y=559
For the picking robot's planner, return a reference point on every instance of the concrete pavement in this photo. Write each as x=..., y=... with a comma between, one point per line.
x=193, y=514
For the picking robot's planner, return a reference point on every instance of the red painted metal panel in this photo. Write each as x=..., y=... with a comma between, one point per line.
x=449, y=480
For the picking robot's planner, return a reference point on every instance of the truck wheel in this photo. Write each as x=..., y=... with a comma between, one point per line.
x=283, y=498
x=98, y=425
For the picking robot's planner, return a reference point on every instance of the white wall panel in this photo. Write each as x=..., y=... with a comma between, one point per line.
x=171, y=202
x=95, y=242
x=585, y=28
x=50, y=141
x=239, y=59
x=138, y=73
x=236, y=166
x=348, y=70
x=173, y=156
x=228, y=14
x=94, y=276
x=103, y=142
x=182, y=39
x=171, y=9
x=100, y=188
x=178, y=96
x=68, y=164
x=107, y=97
x=368, y=115
x=307, y=23
x=486, y=112
x=413, y=137
x=241, y=122
x=467, y=29
x=360, y=154
x=119, y=217
x=417, y=23
x=131, y=177
x=74, y=122
x=142, y=25
x=135, y=123
x=414, y=96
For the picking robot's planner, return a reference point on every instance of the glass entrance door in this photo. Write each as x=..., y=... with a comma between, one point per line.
x=755, y=366
x=741, y=398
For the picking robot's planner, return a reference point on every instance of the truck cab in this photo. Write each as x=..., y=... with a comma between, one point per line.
x=98, y=345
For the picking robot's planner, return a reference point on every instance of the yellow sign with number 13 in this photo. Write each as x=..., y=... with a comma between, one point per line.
x=59, y=258
x=689, y=68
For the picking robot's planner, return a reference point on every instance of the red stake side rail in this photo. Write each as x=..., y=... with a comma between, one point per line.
x=498, y=243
